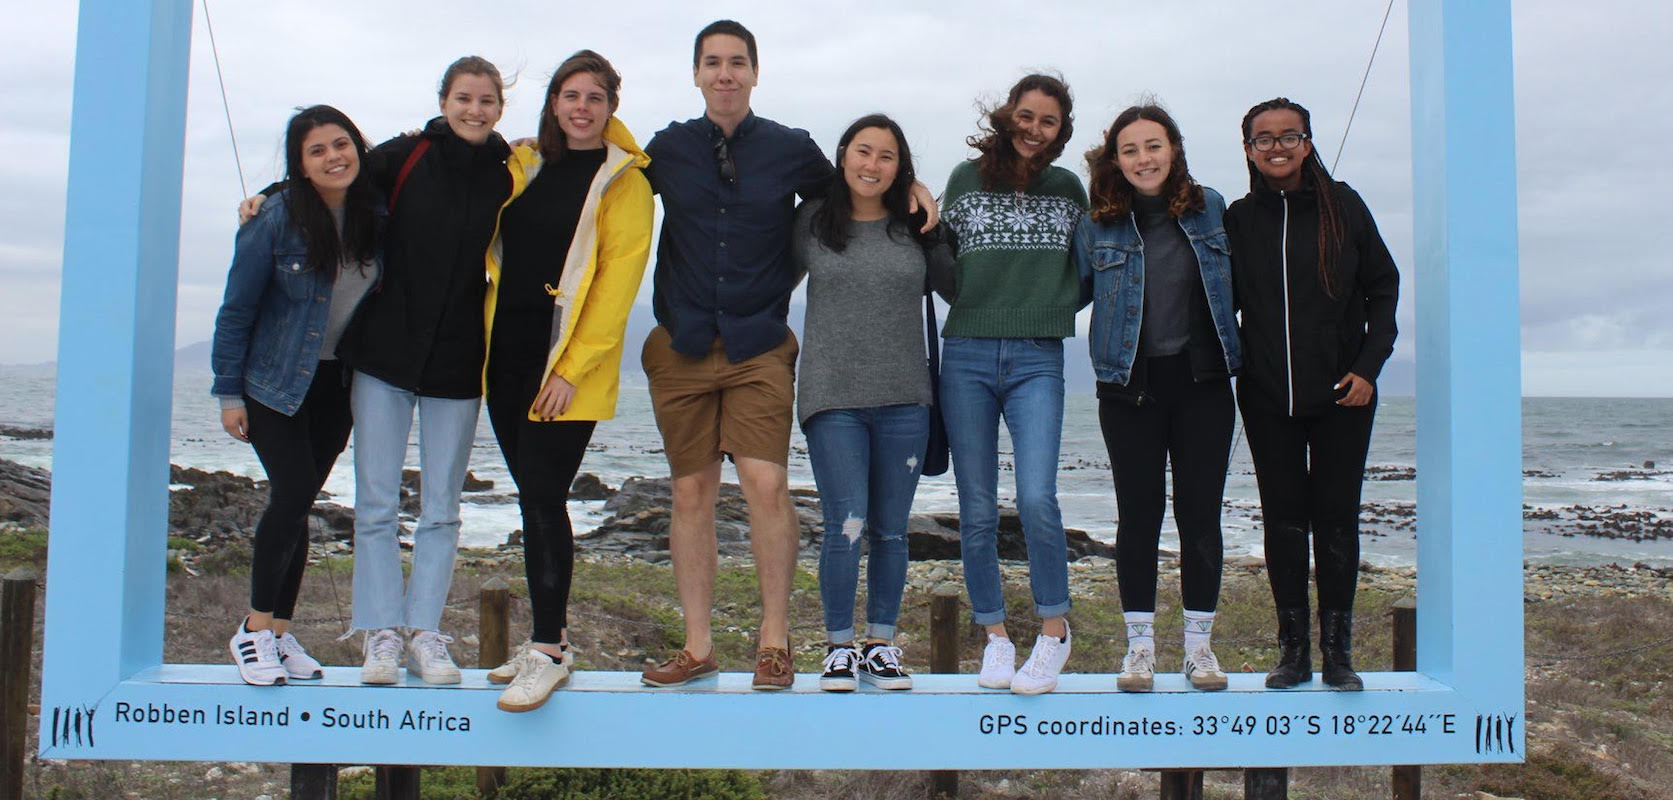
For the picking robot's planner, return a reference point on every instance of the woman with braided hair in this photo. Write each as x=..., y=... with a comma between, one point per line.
x=1317, y=290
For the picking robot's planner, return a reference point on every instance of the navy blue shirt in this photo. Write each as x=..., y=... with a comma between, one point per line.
x=723, y=263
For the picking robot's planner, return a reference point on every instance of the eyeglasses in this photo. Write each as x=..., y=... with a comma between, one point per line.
x=723, y=157
x=1288, y=141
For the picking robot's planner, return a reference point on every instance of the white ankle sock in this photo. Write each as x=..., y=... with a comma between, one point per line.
x=1199, y=626
x=1141, y=629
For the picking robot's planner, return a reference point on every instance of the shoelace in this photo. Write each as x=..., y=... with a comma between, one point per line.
x=1044, y=649
x=267, y=648
x=434, y=646
x=1204, y=661
x=289, y=646
x=528, y=671
x=840, y=658
x=1139, y=661
x=887, y=657
x=776, y=661
x=384, y=645
x=996, y=657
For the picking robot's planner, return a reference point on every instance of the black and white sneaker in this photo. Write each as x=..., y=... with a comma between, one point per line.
x=880, y=667
x=839, y=668
x=257, y=656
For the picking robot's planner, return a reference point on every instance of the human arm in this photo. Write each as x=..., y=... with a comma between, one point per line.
x=941, y=270
x=247, y=280
x=1377, y=283
x=1080, y=249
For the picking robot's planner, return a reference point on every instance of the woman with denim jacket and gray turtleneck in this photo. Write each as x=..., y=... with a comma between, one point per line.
x=1152, y=259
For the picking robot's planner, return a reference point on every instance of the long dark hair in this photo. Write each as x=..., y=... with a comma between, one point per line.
x=1112, y=193
x=553, y=143
x=308, y=211
x=833, y=223
x=1314, y=172
x=998, y=163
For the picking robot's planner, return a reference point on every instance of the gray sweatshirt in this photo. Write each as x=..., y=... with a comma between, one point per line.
x=863, y=340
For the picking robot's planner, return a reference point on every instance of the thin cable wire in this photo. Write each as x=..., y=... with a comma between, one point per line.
x=215, y=51
x=1361, y=93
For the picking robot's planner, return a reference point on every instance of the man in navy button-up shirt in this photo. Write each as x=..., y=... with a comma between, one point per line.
x=721, y=362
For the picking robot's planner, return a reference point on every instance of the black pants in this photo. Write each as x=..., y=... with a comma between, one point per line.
x=543, y=458
x=297, y=452
x=1189, y=425
x=1310, y=470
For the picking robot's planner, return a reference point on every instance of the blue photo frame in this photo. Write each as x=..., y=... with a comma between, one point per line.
x=106, y=693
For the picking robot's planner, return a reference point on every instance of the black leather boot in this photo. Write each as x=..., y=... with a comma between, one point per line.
x=1295, y=655
x=1336, y=647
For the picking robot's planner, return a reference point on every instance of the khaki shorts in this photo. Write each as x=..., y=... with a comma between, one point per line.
x=707, y=407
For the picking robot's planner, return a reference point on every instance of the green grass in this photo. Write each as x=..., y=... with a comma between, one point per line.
x=26, y=547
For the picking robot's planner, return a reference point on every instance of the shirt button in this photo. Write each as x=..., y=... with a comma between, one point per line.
x=319, y=298
x=722, y=279
x=723, y=210
x=722, y=244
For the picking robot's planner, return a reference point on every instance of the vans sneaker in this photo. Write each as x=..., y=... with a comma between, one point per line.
x=839, y=668
x=383, y=657
x=999, y=663
x=880, y=667
x=299, y=666
x=1202, y=669
x=537, y=676
x=428, y=658
x=1039, y=673
x=257, y=656
x=1138, y=670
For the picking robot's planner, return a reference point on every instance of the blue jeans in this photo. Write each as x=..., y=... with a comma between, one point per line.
x=1021, y=380
x=446, y=429
x=866, y=463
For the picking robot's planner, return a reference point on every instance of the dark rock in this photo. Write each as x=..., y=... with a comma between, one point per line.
x=1387, y=473
x=25, y=494
x=20, y=432
x=936, y=536
x=587, y=486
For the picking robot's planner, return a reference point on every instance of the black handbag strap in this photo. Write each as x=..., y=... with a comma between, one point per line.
x=932, y=343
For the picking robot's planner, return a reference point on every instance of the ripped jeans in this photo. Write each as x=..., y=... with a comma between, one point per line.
x=866, y=463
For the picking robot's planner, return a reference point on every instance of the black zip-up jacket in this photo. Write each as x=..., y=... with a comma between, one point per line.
x=1298, y=342
x=422, y=330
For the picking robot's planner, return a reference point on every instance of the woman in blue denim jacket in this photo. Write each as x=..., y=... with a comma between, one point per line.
x=299, y=270
x=1153, y=260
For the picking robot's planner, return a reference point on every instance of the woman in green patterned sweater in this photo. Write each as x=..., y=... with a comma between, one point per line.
x=1013, y=213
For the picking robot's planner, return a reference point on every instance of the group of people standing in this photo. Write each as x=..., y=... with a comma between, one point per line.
x=448, y=267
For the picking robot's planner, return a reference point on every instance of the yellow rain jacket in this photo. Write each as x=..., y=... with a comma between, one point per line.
x=601, y=273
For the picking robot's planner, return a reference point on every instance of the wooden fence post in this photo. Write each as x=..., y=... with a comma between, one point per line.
x=943, y=659
x=494, y=632
x=313, y=782
x=1181, y=784
x=1407, y=781
x=397, y=783
x=17, y=644
x=1266, y=784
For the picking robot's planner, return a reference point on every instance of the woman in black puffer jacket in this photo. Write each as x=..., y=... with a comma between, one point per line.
x=1317, y=290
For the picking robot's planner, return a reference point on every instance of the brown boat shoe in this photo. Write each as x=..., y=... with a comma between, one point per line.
x=680, y=670
x=773, y=669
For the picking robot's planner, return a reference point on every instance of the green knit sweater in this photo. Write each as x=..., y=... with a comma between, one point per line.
x=1016, y=279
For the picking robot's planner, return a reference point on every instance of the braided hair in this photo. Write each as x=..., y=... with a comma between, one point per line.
x=1313, y=170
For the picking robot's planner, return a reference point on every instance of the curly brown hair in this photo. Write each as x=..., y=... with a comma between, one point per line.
x=1110, y=191
x=999, y=163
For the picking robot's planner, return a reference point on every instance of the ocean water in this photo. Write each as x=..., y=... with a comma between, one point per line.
x=1567, y=444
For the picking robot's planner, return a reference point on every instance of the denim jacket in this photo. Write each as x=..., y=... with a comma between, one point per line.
x=272, y=319
x=1110, y=258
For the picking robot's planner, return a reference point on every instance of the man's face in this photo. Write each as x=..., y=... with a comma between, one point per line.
x=725, y=75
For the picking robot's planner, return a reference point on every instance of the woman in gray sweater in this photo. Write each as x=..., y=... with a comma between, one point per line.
x=864, y=391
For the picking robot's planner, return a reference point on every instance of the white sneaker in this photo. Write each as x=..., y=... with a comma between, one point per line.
x=257, y=656
x=999, y=663
x=428, y=658
x=383, y=657
x=1138, y=670
x=1202, y=669
x=537, y=676
x=503, y=673
x=299, y=666
x=1039, y=673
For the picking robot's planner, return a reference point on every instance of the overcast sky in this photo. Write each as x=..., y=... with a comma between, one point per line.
x=1593, y=97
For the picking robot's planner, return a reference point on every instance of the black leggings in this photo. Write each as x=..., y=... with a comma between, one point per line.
x=1189, y=425
x=297, y=453
x=1310, y=470
x=543, y=458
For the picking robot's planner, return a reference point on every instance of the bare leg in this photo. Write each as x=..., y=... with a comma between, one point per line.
x=774, y=536
x=692, y=545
